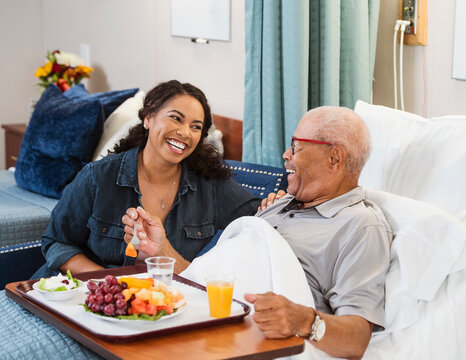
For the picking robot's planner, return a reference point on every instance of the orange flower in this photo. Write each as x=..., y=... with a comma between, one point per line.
x=70, y=72
x=44, y=70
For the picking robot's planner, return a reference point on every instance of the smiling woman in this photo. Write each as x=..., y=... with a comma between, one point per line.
x=162, y=175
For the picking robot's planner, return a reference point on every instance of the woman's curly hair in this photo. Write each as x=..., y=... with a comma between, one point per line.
x=205, y=160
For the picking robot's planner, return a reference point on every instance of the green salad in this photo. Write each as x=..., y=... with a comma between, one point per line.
x=59, y=282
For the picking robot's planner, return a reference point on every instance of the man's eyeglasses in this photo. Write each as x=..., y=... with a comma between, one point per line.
x=293, y=139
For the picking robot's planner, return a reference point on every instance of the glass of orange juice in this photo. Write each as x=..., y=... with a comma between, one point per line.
x=220, y=293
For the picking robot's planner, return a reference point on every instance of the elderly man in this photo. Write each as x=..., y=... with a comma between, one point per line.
x=341, y=240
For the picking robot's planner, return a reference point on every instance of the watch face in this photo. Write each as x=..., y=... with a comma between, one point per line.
x=320, y=330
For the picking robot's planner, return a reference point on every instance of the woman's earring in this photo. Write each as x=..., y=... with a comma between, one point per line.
x=146, y=126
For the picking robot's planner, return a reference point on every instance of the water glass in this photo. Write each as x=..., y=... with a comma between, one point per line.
x=161, y=268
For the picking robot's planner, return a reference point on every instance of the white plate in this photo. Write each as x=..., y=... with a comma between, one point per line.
x=139, y=321
x=58, y=295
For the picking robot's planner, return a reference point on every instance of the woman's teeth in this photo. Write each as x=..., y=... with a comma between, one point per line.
x=177, y=144
x=290, y=171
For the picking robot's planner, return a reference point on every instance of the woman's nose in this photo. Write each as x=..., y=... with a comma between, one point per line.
x=183, y=130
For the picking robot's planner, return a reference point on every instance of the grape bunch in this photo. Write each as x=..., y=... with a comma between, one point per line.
x=106, y=297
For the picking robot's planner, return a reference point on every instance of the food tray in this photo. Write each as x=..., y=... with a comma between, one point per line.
x=194, y=316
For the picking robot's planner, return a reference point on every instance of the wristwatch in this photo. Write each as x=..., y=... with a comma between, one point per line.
x=317, y=329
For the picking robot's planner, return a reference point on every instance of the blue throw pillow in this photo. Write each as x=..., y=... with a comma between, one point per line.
x=59, y=140
x=110, y=100
x=260, y=180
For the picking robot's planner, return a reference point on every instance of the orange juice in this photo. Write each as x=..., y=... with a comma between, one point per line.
x=220, y=295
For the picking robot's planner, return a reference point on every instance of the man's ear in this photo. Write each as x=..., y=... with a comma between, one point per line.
x=337, y=157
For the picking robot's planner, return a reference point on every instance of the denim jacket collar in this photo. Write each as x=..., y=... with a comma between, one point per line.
x=128, y=173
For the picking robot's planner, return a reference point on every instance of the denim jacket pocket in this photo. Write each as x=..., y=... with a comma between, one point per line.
x=106, y=241
x=199, y=231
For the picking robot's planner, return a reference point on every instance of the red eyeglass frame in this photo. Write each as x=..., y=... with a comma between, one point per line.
x=319, y=142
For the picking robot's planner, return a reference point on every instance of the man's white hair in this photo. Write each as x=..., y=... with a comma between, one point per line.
x=343, y=126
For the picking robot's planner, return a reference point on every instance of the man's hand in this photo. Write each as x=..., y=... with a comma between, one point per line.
x=277, y=317
x=270, y=199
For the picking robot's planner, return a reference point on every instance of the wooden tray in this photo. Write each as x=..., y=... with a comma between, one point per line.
x=240, y=340
x=97, y=326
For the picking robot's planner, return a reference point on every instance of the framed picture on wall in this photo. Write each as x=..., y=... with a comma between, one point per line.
x=206, y=19
x=459, y=45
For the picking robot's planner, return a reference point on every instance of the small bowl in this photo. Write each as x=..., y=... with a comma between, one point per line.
x=58, y=295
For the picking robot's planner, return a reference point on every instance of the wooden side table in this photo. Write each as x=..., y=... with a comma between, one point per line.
x=13, y=135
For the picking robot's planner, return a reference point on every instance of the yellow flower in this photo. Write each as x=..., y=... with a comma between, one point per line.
x=84, y=70
x=44, y=70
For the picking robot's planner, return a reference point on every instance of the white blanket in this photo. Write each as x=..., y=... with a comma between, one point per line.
x=261, y=260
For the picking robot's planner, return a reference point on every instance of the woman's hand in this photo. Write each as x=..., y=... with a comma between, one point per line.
x=152, y=237
x=270, y=199
x=150, y=232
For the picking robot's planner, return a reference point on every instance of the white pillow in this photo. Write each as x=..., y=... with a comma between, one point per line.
x=214, y=137
x=391, y=131
x=118, y=124
x=432, y=168
x=428, y=243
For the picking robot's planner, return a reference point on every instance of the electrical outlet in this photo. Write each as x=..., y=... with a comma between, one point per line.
x=414, y=11
x=409, y=13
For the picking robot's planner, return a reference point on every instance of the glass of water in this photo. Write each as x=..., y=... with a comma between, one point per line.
x=161, y=268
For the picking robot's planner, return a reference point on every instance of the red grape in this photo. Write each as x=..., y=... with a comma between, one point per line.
x=120, y=304
x=118, y=296
x=95, y=307
x=109, y=279
x=124, y=285
x=99, y=299
x=91, y=299
x=99, y=291
x=120, y=311
x=108, y=298
x=105, y=288
x=114, y=289
x=109, y=309
x=92, y=286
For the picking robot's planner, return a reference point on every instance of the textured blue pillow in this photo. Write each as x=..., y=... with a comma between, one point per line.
x=59, y=140
x=110, y=100
x=260, y=180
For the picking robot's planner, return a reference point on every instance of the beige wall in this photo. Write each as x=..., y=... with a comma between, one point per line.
x=21, y=43
x=444, y=95
x=130, y=46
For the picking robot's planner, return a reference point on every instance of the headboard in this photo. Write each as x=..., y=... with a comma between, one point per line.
x=232, y=130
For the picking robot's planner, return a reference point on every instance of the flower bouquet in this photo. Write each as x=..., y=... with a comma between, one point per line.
x=62, y=69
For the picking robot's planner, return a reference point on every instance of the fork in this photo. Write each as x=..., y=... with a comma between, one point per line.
x=135, y=239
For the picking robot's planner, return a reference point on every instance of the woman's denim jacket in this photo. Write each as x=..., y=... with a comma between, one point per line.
x=87, y=219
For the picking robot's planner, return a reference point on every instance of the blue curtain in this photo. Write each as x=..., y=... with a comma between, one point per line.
x=300, y=55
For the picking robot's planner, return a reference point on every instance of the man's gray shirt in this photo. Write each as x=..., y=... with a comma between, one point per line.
x=343, y=245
